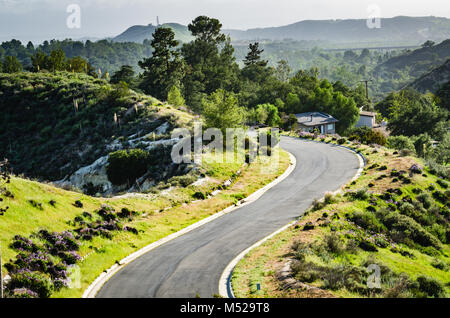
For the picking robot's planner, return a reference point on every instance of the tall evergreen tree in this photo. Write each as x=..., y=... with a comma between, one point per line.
x=211, y=62
x=125, y=74
x=164, y=68
x=254, y=56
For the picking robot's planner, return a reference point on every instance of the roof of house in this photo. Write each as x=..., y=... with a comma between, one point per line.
x=315, y=119
x=368, y=114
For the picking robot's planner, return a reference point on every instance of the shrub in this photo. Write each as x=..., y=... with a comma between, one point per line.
x=78, y=204
x=410, y=229
x=360, y=194
x=401, y=143
x=36, y=204
x=182, y=181
x=366, y=220
x=124, y=167
x=342, y=141
x=430, y=287
x=333, y=243
x=317, y=205
x=425, y=199
x=368, y=136
x=199, y=195
x=367, y=246
x=406, y=153
x=438, y=169
x=38, y=283
x=443, y=184
x=437, y=263
x=329, y=198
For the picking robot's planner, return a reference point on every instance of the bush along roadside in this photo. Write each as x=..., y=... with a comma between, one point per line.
x=387, y=235
x=45, y=260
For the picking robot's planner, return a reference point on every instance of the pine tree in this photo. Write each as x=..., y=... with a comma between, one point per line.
x=254, y=56
x=164, y=68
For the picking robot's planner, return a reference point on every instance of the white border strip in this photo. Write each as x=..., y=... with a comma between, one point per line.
x=98, y=283
x=225, y=286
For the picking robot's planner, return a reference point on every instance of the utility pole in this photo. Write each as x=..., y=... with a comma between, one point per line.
x=367, y=87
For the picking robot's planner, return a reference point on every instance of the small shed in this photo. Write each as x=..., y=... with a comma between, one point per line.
x=367, y=119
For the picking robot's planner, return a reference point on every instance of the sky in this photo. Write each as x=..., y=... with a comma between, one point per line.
x=37, y=20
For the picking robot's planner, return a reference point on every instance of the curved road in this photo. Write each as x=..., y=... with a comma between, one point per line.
x=193, y=263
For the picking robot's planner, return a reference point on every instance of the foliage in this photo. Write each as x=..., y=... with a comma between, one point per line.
x=164, y=68
x=400, y=143
x=221, y=110
x=125, y=166
x=174, y=97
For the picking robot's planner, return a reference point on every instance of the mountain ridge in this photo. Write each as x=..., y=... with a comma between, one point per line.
x=407, y=29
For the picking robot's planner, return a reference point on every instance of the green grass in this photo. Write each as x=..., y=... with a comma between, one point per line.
x=262, y=263
x=160, y=215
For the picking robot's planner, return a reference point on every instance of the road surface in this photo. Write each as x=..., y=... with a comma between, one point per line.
x=192, y=264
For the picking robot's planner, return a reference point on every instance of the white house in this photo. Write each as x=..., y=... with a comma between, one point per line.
x=367, y=119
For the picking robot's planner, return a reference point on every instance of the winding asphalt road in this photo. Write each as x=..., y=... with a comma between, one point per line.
x=193, y=263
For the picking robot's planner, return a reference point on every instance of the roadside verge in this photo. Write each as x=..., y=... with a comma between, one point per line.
x=95, y=287
x=225, y=286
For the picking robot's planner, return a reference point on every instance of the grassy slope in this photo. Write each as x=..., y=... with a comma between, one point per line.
x=262, y=264
x=162, y=214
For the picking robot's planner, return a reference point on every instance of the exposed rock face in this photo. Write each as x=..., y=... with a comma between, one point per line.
x=95, y=177
x=94, y=174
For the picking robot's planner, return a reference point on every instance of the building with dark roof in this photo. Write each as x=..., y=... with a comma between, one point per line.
x=322, y=122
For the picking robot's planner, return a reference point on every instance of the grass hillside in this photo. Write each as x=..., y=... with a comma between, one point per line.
x=55, y=242
x=53, y=124
x=395, y=216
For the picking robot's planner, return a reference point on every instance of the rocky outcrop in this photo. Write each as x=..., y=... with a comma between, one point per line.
x=94, y=174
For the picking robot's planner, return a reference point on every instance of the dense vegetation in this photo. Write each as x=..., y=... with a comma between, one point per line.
x=53, y=124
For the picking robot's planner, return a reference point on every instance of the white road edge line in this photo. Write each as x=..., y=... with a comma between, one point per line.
x=98, y=283
x=225, y=286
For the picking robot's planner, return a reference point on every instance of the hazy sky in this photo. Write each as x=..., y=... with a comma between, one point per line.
x=43, y=19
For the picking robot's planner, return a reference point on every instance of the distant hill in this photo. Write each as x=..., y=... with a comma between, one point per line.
x=394, y=31
x=402, y=29
x=417, y=62
x=139, y=33
x=433, y=80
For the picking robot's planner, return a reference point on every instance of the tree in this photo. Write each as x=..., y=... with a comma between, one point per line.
x=174, y=97
x=164, y=68
x=210, y=62
x=56, y=60
x=77, y=64
x=268, y=114
x=254, y=56
x=39, y=61
x=207, y=30
x=413, y=114
x=221, y=110
x=283, y=70
x=428, y=44
x=11, y=65
x=125, y=74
